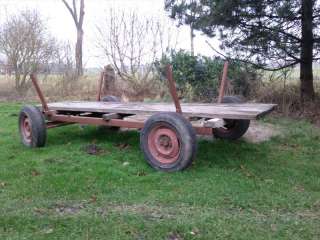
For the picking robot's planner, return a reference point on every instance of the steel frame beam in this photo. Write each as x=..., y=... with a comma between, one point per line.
x=70, y=119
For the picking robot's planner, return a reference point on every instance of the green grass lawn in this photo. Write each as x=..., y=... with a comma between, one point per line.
x=234, y=190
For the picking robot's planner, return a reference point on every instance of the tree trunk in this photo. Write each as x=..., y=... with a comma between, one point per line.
x=79, y=24
x=79, y=65
x=17, y=78
x=307, y=45
x=17, y=81
x=192, y=39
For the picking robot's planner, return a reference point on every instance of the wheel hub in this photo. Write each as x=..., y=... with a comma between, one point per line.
x=164, y=144
x=26, y=129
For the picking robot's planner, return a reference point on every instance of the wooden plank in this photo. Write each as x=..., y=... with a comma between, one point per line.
x=227, y=111
x=139, y=118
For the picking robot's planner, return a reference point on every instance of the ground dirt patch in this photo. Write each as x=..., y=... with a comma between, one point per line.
x=258, y=132
x=261, y=132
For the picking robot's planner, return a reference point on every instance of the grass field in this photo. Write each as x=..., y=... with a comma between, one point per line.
x=233, y=190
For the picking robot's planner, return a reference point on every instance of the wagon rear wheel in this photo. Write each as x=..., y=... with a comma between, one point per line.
x=110, y=98
x=168, y=142
x=234, y=128
x=32, y=127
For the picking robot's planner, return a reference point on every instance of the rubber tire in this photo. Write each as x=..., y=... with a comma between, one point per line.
x=38, y=126
x=240, y=126
x=186, y=136
x=110, y=98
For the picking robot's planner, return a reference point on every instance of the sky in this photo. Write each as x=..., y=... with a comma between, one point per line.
x=61, y=25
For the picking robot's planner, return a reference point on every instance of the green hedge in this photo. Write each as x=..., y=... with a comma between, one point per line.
x=198, y=77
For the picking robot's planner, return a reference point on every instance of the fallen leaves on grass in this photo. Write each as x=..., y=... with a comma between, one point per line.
x=247, y=172
x=146, y=211
x=122, y=146
x=47, y=230
x=35, y=173
x=141, y=173
x=299, y=188
x=62, y=208
x=316, y=205
x=94, y=149
x=93, y=199
x=195, y=231
x=289, y=146
x=40, y=211
x=174, y=236
x=3, y=184
x=274, y=227
x=53, y=161
x=72, y=208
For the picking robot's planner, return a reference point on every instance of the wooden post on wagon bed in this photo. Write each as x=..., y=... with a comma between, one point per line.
x=173, y=89
x=109, y=80
x=100, y=86
x=107, y=85
x=39, y=92
x=224, y=82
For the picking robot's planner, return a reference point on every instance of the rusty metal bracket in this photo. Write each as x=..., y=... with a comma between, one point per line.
x=173, y=89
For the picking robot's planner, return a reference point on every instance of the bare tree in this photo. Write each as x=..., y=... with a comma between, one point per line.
x=132, y=43
x=78, y=17
x=64, y=60
x=27, y=45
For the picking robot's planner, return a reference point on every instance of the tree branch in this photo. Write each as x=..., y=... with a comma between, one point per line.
x=75, y=9
x=81, y=13
x=252, y=63
x=71, y=12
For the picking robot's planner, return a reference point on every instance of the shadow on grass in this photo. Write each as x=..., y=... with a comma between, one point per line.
x=217, y=153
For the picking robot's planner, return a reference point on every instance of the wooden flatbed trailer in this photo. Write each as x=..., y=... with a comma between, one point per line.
x=168, y=131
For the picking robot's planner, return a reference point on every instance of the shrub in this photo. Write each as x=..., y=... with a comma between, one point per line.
x=198, y=77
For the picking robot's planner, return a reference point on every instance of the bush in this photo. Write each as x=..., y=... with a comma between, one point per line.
x=198, y=77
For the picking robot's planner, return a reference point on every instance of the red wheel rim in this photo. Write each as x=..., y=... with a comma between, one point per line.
x=164, y=144
x=26, y=129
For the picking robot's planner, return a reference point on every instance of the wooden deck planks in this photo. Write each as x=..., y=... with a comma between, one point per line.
x=227, y=111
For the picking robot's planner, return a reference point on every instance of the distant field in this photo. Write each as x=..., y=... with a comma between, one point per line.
x=55, y=88
x=294, y=74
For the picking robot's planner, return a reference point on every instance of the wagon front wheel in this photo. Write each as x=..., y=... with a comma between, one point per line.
x=168, y=142
x=32, y=127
